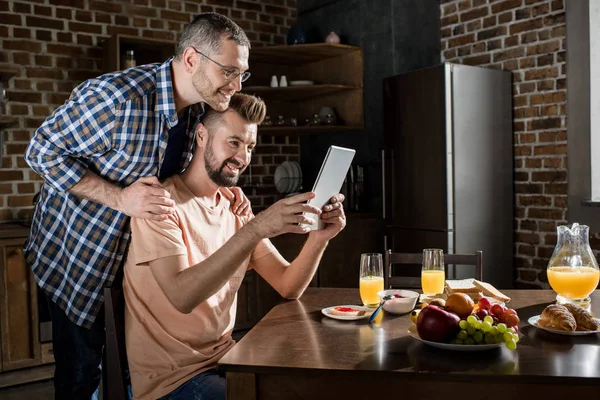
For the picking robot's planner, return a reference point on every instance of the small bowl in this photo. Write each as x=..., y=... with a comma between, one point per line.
x=402, y=305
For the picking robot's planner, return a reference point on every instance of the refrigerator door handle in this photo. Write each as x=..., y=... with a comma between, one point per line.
x=383, y=180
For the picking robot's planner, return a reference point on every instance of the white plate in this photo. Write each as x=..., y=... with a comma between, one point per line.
x=533, y=321
x=301, y=83
x=412, y=331
x=367, y=314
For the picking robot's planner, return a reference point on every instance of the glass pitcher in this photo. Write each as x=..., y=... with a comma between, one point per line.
x=573, y=271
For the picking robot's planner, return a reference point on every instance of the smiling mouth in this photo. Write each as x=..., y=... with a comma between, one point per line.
x=226, y=95
x=235, y=168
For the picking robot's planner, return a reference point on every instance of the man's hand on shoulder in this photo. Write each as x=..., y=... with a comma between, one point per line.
x=240, y=205
x=284, y=216
x=333, y=217
x=146, y=198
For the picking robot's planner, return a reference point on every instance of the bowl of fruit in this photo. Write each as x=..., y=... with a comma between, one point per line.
x=398, y=301
x=464, y=325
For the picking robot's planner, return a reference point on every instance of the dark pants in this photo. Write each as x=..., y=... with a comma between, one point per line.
x=77, y=355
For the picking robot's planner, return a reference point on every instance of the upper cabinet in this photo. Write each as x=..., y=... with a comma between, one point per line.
x=320, y=76
x=145, y=51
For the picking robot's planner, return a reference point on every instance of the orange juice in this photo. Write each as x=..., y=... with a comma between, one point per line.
x=573, y=282
x=432, y=282
x=369, y=286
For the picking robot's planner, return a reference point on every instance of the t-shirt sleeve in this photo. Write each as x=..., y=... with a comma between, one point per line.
x=152, y=240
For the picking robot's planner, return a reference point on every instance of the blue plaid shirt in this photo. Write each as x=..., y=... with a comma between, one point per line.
x=117, y=126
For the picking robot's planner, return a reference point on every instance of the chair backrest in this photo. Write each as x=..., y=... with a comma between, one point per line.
x=392, y=280
x=115, y=373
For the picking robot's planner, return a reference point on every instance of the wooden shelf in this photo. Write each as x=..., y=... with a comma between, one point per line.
x=305, y=130
x=296, y=93
x=299, y=53
x=6, y=122
x=146, y=50
x=7, y=72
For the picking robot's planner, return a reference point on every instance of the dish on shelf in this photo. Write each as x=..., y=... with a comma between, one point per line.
x=301, y=83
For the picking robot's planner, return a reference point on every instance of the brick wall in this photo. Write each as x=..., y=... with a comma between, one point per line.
x=526, y=37
x=58, y=43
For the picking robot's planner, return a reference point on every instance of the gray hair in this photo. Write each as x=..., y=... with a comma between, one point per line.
x=206, y=32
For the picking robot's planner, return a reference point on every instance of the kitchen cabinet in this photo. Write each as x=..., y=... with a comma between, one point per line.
x=336, y=73
x=23, y=357
x=146, y=51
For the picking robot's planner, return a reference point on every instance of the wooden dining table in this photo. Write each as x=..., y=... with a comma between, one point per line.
x=296, y=352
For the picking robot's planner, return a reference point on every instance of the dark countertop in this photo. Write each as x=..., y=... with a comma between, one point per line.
x=12, y=230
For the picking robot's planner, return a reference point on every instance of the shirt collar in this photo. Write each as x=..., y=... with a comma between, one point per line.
x=165, y=104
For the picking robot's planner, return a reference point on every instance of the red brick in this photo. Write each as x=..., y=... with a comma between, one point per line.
x=557, y=136
x=533, y=163
x=522, y=150
x=509, y=54
x=64, y=37
x=64, y=49
x=11, y=176
x=544, y=48
x=544, y=213
x=526, y=26
x=64, y=13
x=553, y=162
x=548, y=98
x=40, y=22
x=531, y=238
x=20, y=8
x=544, y=123
x=474, y=14
x=448, y=9
x=108, y=7
x=10, y=19
x=505, y=5
x=550, y=149
x=245, y=5
x=449, y=20
x=555, y=188
x=549, y=176
x=22, y=44
x=175, y=16
x=22, y=97
x=511, y=41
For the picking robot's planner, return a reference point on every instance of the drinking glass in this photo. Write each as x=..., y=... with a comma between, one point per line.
x=432, y=271
x=371, y=278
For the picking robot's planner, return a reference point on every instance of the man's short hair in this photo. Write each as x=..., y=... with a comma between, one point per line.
x=206, y=31
x=250, y=108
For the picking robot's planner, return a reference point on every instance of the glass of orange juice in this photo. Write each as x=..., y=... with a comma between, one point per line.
x=371, y=278
x=432, y=271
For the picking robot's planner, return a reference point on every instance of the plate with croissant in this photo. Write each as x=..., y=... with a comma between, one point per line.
x=566, y=319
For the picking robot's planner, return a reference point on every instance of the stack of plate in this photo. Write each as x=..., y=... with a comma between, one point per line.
x=288, y=177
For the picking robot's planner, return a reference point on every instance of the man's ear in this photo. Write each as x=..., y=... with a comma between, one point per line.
x=201, y=133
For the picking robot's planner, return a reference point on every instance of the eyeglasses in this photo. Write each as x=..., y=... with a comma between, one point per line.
x=230, y=73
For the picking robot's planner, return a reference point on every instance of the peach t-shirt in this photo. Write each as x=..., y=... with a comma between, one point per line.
x=166, y=348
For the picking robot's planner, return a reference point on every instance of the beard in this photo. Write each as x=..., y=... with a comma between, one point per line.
x=216, y=172
x=209, y=92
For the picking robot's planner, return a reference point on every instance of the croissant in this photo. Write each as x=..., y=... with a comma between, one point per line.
x=556, y=316
x=585, y=322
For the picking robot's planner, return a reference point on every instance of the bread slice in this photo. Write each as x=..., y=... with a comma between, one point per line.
x=462, y=286
x=346, y=311
x=490, y=291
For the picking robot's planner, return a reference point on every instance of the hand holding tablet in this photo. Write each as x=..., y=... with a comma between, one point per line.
x=330, y=179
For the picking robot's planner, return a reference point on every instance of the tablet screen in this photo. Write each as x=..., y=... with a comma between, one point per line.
x=330, y=179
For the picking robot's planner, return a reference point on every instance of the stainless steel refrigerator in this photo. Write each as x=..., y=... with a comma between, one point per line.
x=448, y=166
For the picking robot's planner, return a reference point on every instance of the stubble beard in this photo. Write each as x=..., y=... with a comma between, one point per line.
x=208, y=92
x=215, y=172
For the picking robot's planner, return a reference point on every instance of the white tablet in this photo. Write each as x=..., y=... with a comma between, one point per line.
x=330, y=179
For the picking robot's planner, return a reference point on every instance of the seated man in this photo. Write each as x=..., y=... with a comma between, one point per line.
x=182, y=274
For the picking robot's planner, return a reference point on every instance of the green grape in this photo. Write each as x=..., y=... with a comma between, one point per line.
x=463, y=324
x=507, y=336
x=489, y=338
x=458, y=341
x=499, y=338
x=462, y=334
x=494, y=330
x=478, y=337
x=477, y=324
x=471, y=330
x=489, y=319
x=516, y=338
x=469, y=340
x=471, y=319
x=502, y=327
x=486, y=326
x=511, y=344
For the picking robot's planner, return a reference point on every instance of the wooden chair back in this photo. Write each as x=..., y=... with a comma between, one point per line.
x=115, y=371
x=392, y=280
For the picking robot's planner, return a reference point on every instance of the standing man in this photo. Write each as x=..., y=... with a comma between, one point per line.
x=102, y=155
x=182, y=274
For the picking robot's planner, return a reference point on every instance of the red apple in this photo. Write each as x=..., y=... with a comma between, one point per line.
x=436, y=324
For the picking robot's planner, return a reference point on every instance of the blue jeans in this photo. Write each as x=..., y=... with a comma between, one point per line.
x=77, y=355
x=209, y=385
